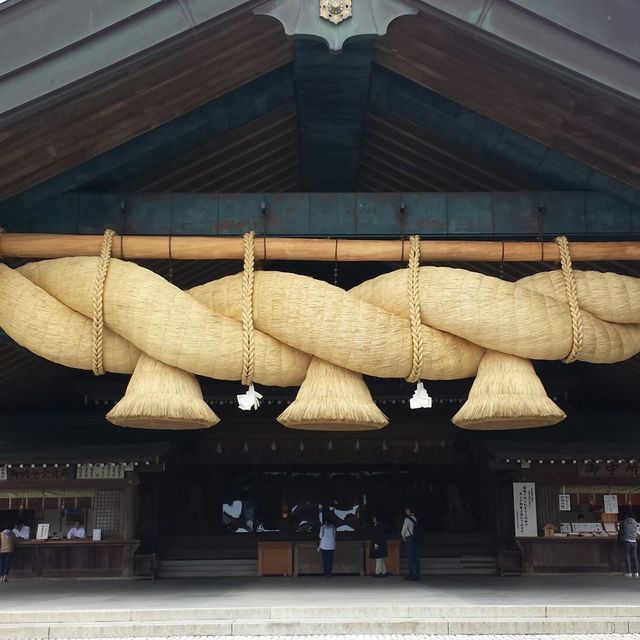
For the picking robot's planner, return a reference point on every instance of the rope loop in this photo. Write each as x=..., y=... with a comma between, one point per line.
x=572, y=297
x=413, y=290
x=98, y=303
x=248, y=338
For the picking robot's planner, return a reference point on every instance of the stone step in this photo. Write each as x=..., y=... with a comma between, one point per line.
x=223, y=567
x=336, y=613
x=227, y=567
x=323, y=626
x=455, y=565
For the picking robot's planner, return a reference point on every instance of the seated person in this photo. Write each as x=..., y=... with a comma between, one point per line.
x=77, y=531
x=21, y=531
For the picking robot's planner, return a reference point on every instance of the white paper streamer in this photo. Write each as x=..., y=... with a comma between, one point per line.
x=421, y=399
x=249, y=400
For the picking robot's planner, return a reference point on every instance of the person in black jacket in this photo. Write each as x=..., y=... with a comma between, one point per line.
x=378, y=548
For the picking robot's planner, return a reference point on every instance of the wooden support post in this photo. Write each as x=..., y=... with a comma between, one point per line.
x=38, y=246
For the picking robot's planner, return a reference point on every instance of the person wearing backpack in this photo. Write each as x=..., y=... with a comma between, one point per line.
x=411, y=536
x=627, y=536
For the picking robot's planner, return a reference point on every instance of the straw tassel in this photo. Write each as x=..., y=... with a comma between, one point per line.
x=507, y=394
x=162, y=397
x=333, y=399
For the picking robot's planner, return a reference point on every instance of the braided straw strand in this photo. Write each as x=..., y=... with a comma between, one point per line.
x=98, y=304
x=413, y=289
x=248, y=336
x=572, y=298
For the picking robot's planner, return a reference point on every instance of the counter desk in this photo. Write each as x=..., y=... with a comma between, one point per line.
x=74, y=558
x=575, y=554
x=295, y=558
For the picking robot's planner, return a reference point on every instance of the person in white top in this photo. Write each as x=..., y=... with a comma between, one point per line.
x=327, y=545
x=77, y=531
x=411, y=544
x=21, y=531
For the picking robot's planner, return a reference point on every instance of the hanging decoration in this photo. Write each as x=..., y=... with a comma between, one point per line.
x=420, y=399
x=250, y=399
x=283, y=329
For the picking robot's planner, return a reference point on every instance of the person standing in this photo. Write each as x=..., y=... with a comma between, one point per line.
x=628, y=535
x=7, y=547
x=411, y=543
x=378, y=548
x=327, y=546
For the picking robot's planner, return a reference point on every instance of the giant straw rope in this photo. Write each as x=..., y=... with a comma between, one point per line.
x=422, y=322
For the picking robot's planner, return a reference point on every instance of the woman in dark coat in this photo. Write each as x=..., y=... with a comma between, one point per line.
x=378, y=548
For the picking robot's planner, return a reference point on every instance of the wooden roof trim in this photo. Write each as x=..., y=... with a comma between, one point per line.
x=37, y=65
x=595, y=40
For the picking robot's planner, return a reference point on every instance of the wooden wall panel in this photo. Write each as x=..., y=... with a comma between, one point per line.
x=398, y=156
x=261, y=156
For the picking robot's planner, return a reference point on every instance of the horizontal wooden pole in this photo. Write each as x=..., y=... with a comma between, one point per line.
x=37, y=245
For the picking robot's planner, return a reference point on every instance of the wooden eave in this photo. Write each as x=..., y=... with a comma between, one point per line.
x=593, y=39
x=47, y=47
x=81, y=77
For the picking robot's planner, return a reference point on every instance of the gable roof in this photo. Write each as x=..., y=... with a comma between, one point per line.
x=81, y=77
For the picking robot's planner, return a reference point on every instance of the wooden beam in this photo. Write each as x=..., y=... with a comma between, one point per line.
x=26, y=245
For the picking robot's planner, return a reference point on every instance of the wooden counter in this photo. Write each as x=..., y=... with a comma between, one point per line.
x=74, y=559
x=275, y=558
x=571, y=555
x=348, y=558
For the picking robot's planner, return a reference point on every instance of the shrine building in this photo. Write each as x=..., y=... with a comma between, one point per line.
x=267, y=264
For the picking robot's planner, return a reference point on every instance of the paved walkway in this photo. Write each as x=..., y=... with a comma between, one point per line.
x=611, y=636
x=68, y=595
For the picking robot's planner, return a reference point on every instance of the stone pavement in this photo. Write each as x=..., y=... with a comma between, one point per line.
x=611, y=636
x=564, y=590
x=440, y=606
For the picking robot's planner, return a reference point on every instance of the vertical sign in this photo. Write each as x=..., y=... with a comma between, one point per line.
x=42, y=533
x=524, y=509
x=611, y=503
x=565, y=501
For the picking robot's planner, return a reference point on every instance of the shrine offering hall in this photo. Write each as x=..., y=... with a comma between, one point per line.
x=267, y=266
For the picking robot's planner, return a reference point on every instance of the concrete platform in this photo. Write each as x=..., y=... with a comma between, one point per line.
x=554, y=605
